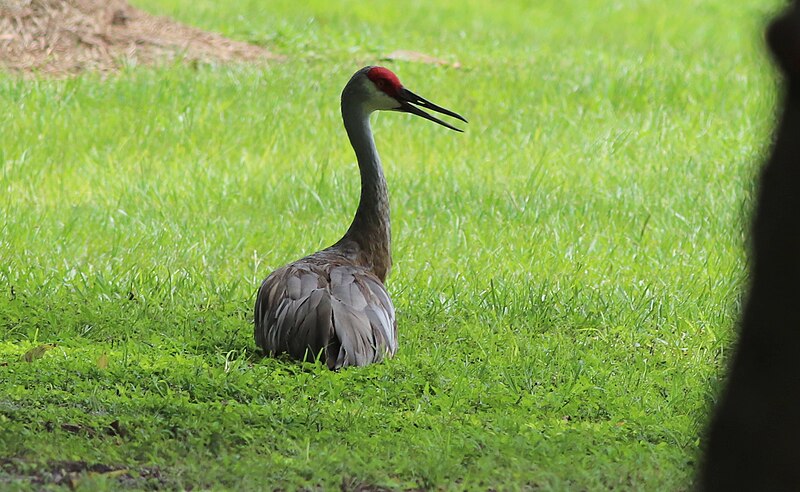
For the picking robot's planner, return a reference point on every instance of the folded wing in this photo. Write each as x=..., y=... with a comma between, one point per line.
x=340, y=313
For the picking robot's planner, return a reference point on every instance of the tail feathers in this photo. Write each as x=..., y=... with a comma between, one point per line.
x=354, y=332
x=345, y=316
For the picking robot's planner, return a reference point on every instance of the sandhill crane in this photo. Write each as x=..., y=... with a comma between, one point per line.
x=333, y=304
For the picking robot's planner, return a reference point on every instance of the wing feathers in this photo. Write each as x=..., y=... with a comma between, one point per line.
x=315, y=306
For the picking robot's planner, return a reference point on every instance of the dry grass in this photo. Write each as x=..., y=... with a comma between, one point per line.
x=62, y=37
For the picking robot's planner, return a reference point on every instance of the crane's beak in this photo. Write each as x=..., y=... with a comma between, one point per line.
x=408, y=98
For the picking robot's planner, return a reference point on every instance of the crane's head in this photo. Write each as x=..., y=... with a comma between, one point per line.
x=380, y=89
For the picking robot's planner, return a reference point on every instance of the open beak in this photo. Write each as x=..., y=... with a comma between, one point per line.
x=408, y=99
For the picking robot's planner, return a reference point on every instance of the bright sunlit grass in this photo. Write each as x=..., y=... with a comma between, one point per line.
x=567, y=273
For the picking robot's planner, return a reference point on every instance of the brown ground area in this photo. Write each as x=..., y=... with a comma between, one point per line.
x=63, y=37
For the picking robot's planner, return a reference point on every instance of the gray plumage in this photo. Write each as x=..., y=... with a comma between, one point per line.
x=326, y=305
x=333, y=304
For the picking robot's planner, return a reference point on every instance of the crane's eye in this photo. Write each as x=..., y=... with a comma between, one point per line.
x=381, y=83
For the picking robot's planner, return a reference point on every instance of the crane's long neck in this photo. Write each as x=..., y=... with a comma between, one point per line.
x=370, y=229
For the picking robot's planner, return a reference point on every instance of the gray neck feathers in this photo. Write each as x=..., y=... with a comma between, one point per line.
x=370, y=228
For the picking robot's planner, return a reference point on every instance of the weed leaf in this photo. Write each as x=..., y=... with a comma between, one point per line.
x=36, y=352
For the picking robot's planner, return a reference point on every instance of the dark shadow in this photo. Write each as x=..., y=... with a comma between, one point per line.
x=754, y=437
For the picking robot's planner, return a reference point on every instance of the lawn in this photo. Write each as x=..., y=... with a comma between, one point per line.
x=568, y=272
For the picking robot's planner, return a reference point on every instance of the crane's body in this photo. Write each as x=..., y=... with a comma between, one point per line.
x=333, y=304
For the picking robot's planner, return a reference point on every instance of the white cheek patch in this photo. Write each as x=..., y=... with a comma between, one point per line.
x=379, y=100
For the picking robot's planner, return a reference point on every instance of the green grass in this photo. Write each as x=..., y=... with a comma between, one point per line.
x=567, y=274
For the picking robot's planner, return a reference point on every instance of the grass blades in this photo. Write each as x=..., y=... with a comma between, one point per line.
x=567, y=273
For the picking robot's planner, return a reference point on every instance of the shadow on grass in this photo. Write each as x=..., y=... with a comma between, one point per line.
x=754, y=439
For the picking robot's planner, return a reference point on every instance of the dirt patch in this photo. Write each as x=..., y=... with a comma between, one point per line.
x=72, y=473
x=62, y=37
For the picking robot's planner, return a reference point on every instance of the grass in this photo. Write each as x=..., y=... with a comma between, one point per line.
x=567, y=274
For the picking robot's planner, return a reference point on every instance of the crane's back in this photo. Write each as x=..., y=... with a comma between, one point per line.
x=326, y=305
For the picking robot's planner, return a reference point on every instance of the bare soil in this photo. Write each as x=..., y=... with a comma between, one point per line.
x=70, y=474
x=64, y=37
